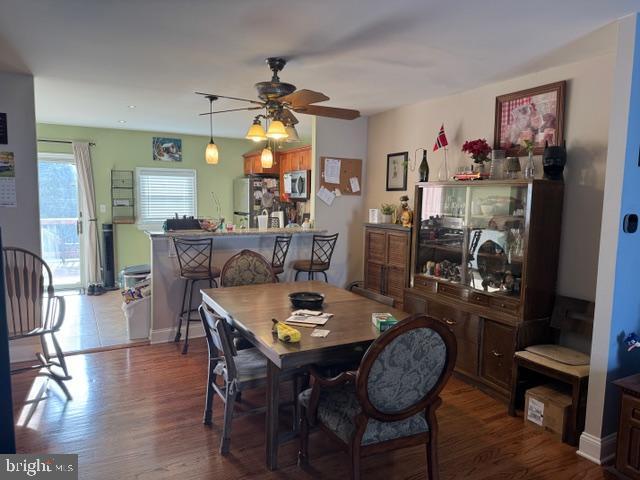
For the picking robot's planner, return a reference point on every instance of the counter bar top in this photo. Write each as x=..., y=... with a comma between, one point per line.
x=246, y=232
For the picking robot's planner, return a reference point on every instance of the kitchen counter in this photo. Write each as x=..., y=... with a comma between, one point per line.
x=235, y=233
x=167, y=286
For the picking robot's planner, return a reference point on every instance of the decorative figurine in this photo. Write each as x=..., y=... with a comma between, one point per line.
x=405, y=215
x=632, y=341
x=554, y=158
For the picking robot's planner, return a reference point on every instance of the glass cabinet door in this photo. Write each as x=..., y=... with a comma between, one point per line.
x=495, y=235
x=441, y=234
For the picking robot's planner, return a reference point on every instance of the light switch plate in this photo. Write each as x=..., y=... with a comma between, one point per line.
x=103, y=208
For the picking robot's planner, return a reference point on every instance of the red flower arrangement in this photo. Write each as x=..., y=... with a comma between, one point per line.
x=478, y=149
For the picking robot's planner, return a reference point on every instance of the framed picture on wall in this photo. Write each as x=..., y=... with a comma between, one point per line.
x=536, y=114
x=397, y=171
x=167, y=149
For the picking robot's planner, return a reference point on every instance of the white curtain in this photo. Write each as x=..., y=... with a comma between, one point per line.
x=89, y=237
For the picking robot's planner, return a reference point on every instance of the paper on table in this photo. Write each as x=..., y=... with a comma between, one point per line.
x=309, y=319
x=332, y=170
x=320, y=333
x=355, y=185
x=326, y=196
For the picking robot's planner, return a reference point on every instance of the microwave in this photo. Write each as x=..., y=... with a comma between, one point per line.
x=297, y=183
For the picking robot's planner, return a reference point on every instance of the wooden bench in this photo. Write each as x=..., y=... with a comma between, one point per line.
x=565, y=359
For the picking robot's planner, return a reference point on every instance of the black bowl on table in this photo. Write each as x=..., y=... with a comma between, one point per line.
x=308, y=300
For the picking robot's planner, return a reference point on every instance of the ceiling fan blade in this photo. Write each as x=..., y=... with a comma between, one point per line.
x=230, y=98
x=287, y=117
x=303, y=97
x=343, y=113
x=231, y=110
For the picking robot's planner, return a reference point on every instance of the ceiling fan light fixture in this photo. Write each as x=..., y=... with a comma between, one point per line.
x=292, y=134
x=256, y=132
x=266, y=158
x=276, y=130
x=211, y=153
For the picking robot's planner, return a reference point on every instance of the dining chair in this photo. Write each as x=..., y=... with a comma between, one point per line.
x=239, y=370
x=280, y=250
x=33, y=310
x=371, y=295
x=247, y=268
x=390, y=401
x=321, y=253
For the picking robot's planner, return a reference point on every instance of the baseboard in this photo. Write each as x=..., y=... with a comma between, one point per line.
x=165, y=335
x=598, y=450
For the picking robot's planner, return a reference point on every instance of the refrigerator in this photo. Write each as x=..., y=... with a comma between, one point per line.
x=251, y=195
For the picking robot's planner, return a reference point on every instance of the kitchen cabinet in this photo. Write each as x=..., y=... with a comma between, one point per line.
x=253, y=165
x=484, y=261
x=387, y=257
x=292, y=160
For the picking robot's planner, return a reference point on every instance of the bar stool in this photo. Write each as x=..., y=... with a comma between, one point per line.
x=280, y=250
x=194, y=259
x=321, y=253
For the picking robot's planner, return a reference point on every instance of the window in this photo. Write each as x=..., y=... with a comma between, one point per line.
x=163, y=192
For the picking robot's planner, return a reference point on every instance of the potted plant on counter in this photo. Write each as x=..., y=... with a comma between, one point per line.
x=387, y=210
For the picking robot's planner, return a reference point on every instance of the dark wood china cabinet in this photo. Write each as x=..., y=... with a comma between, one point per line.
x=484, y=261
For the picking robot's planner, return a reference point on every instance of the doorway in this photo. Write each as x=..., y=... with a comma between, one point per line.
x=60, y=226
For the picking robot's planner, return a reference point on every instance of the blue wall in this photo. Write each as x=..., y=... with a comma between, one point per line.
x=626, y=299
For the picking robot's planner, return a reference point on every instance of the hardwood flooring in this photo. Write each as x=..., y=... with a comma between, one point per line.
x=137, y=414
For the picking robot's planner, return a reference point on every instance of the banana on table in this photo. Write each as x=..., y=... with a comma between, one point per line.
x=285, y=332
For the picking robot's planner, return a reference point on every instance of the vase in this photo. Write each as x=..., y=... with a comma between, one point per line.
x=385, y=217
x=530, y=168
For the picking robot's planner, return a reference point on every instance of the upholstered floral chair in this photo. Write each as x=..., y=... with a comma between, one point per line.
x=391, y=400
x=246, y=268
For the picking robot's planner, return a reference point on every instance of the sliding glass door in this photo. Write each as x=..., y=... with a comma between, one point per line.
x=60, y=226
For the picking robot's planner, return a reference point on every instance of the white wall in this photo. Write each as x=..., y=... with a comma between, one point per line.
x=20, y=225
x=470, y=115
x=342, y=139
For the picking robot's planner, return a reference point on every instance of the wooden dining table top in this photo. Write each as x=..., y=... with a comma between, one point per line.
x=250, y=309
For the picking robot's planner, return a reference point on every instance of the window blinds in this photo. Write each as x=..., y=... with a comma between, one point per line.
x=164, y=192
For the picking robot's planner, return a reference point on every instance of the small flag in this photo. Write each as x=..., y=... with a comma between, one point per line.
x=441, y=140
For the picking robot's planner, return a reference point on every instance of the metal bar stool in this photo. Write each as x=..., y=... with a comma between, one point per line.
x=321, y=253
x=280, y=250
x=194, y=260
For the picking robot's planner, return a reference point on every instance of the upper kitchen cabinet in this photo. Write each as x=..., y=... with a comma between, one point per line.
x=253, y=165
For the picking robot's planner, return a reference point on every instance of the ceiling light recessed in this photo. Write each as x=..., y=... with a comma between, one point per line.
x=132, y=106
x=122, y=121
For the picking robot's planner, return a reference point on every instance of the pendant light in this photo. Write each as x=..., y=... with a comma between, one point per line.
x=211, y=153
x=266, y=157
x=256, y=132
x=276, y=130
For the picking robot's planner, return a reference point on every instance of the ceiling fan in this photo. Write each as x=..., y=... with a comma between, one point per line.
x=279, y=100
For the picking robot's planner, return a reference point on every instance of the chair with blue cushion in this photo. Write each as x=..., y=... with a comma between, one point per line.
x=391, y=400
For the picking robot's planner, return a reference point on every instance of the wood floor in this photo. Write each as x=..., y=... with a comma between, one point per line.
x=136, y=414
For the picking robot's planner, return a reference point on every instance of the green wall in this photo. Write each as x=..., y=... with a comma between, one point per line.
x=127, y=149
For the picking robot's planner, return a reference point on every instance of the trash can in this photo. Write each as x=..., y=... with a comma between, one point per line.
x=138, y=315
x=133, y=274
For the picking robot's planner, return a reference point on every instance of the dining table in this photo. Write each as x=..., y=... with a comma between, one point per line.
x=250, y=310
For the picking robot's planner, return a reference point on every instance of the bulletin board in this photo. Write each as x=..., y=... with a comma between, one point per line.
x=349, y=168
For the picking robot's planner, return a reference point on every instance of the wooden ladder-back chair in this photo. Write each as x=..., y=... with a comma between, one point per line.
x=33, y=310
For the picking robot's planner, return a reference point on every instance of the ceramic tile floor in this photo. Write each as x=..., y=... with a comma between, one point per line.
x=93, y=322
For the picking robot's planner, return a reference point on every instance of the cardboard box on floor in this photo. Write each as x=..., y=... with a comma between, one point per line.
x=546, y=407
